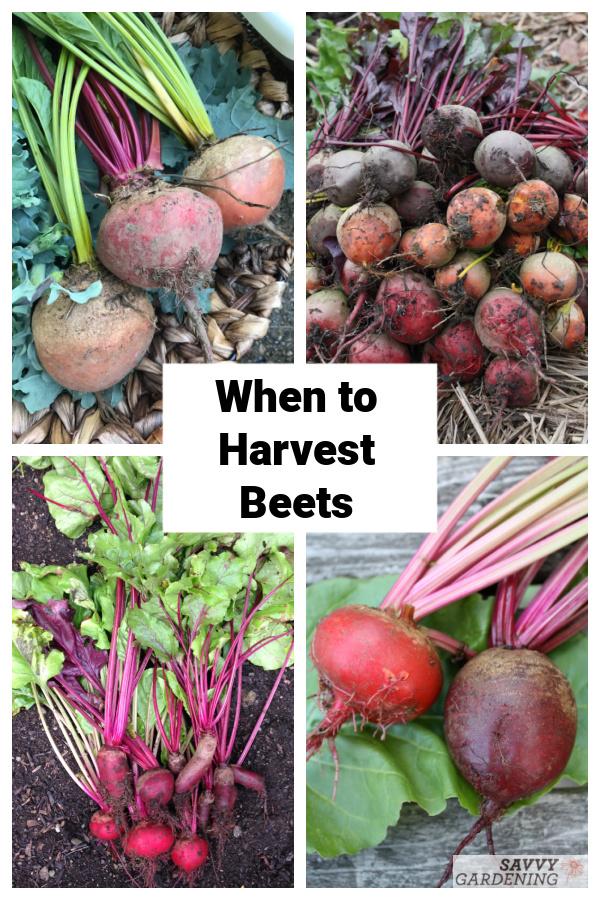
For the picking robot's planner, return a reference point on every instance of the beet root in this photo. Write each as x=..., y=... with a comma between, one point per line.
x=416, y=206
x=103, y=827
x=453, y=131
x=477, y=217
x=511, y=382
x=375, y=664
x=431, y=246
x=532, y=205
x=160, y=236
x=314, y=170
x=368, y=234
x=323, y=225
x=148, y=840
x=342, y=176
x=316, y=278
x=459, y=289
x=510, y=722
x=508, y=325
x=571, y=224
x=505, y=158
x=155, y=787
x=388, y=169
x=520, y=244
x=91, y=346
x=244, y=175
x=378, y=348
x=189, y=853
x=554, y=167
x=566, y=325
x=326, y=314
x=458, y=352
x=549, y=276
x=114, y=772
x=412, y=308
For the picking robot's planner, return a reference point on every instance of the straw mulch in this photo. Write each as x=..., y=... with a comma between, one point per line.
x=249, y=284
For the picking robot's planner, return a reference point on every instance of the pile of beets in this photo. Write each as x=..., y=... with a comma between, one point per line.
x=463, y=253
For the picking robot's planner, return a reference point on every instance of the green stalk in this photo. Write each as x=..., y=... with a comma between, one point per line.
x=87, y=762
x=53, y=743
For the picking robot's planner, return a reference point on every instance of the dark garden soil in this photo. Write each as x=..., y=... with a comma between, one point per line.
x=51, y=846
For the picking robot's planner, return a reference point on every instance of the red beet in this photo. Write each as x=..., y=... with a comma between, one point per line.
x=114, y=771
x=511, y=382
x=378, y=348
x=326, y=314
x=375, y=664
x=149, y=840
x=453, y=131
x=189, y=853
x=504, y=158
x=103, y=827
x=416, y=206
x=413, y=310
x=155, y=787
x=508, y=325
x=160, y=236
x=457, y=351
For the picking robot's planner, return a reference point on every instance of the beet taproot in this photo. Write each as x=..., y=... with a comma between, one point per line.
x=511, y=382
x=244, y=175
x=412, y=307
x=458, y=288
x=431, y=246
x=554, y=167
x=508, y=325
x=321, y=226
x=342, y=176
x=571, y=224
x=378, y=348
x=92, y=346
x=388, y=169
x=477, y=217
x=452, y=131
x=458, y=352
x=566, y=325
x=504, y=158
x=368, y=234
x=532, y=205
x=417, y=205
x=549, y=276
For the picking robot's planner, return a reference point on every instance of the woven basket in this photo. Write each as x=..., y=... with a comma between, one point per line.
x=249, y=283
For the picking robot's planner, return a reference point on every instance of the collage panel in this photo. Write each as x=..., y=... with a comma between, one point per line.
x=447, y=211
x=152, y=211
x=153, y=691
x=447, y=687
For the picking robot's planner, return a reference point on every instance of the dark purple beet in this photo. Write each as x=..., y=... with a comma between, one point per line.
x=510, y=721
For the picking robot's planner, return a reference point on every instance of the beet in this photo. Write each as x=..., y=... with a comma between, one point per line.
x=458, y=352
x=510, y=721
x=468, y=289
x=387, y=171
x=315, y=278
x=428, y=167
x=508, y=325
x=511, y=382
x=160, y=236
x=368, y=234
x=520, y=244
x=352, y=275
x=189, y=853
x=412, y=308
x=554, y=167
x=532, y=205
x=114, y=772
x=103, y=827
x=416, y=206
x=504, y=158
x=148, y=840
x=431, y=246
x=571, y=224
x=549, y=276
x=314, y=170
x=155, y=787
x=378, y=348
x=581, y=184
x=91, y=346
x=322, y=225
x=326, y=314
x=374, y=664
x=244, y=175
x=477, y=217
x=342, y=176
x=452, y=131
x=566, y=325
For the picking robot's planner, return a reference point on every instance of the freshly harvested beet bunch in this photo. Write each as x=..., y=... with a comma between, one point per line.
x=510, y=716
x=457, y=193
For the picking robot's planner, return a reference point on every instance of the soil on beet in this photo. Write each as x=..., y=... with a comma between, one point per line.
x=51, y=844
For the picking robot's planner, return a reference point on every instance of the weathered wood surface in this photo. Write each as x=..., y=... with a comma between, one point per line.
x=417, y=849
